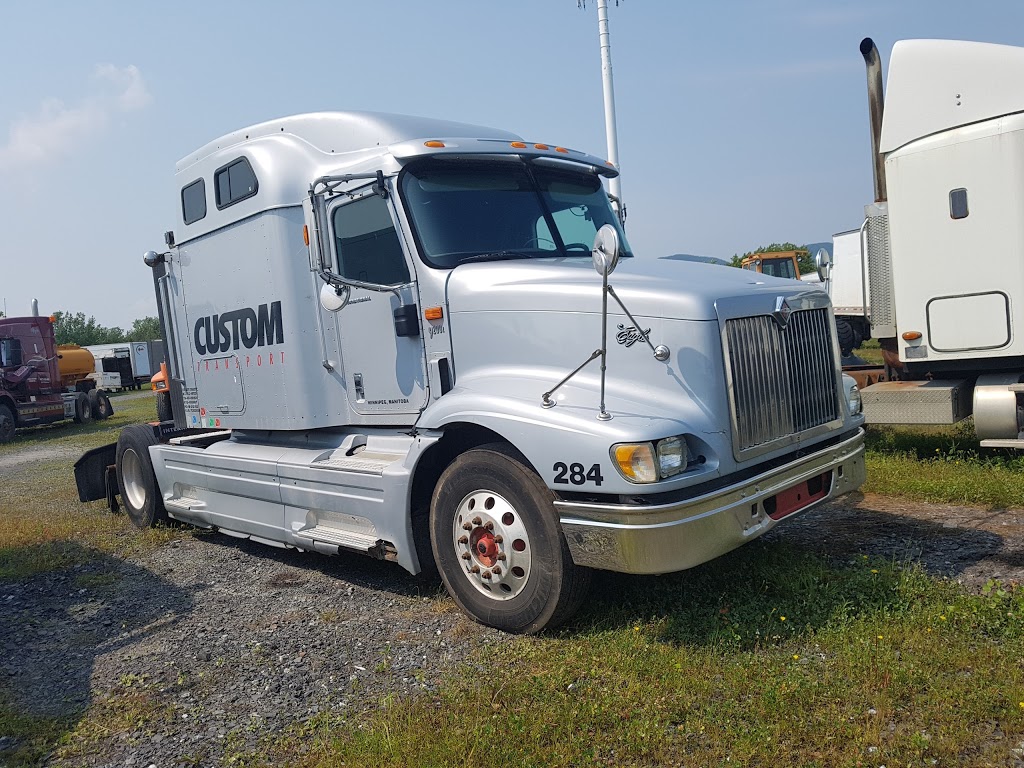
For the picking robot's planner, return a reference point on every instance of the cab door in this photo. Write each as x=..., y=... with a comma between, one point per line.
x=382, y=350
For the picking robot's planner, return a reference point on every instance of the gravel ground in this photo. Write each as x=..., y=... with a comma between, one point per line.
x=226, y=641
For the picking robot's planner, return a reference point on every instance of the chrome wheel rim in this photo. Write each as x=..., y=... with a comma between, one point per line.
x=133, y=478
x=492, y=545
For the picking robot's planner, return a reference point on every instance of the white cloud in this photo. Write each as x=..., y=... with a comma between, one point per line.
x=130, y=92
x=56, y=129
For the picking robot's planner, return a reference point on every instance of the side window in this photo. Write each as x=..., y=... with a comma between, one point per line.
x=367, y=245
x=234, y=182
x=10, y=353
x=958, y=204
x=193, y=201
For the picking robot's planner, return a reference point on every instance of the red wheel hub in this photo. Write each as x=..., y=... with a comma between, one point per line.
x=484, y=547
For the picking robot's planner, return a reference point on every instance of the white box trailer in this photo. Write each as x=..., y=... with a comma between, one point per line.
x=944, y=235
x=375, y=326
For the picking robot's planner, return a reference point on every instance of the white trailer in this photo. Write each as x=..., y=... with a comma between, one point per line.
x=944, y=235
x=844, y=277
x=375, y=326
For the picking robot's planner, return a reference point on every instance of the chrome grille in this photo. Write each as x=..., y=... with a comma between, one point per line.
x=783, y=380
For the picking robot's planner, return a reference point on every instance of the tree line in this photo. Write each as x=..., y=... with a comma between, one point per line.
x=76, y=328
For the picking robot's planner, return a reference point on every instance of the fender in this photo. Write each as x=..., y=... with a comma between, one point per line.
x=556, y=439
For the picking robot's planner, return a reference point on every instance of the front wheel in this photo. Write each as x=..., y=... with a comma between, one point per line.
x=100, y=403
x=498, y=544
x=136, y=479
x=7, y=424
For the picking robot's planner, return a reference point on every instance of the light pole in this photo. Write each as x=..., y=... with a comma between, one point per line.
x=604, y=37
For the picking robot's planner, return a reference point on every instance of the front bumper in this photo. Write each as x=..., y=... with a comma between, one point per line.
x=673, y=537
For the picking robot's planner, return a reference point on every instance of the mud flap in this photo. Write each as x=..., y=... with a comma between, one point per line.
x=95, y=477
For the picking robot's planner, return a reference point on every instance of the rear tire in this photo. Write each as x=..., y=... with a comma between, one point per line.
x=101, y=408
x=7, y=424
x=164, y=412
x=136, y=479
x=847, y=337
x=83, y=408
x=498, y=544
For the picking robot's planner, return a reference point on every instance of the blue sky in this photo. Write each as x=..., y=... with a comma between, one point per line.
x=740, y=123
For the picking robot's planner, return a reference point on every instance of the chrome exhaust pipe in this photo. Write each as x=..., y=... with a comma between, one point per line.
x=35, y=307
x=876, y=103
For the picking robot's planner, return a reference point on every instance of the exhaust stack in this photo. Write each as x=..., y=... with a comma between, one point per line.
x=35, y=307
x=876, y=103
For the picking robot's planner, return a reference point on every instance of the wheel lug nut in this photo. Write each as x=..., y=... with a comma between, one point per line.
x=498, y=539
x=463, y=539
x=477, y=521
x=489, y=526
x=466, y=555
x=475, y=569
x=467, y=526
x=486, y=574
x=496, y=570
x=501, y=555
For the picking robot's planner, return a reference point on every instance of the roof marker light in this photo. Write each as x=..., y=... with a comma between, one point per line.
x=541, y=146
x=519, y=144
x=561, y=149
x=437, y=144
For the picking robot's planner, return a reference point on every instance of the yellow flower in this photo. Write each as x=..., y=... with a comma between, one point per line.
x=879, y=637
x=874, y=570
x=782, y=618
x=797, y=656
x=942, y=617
x=636, y=629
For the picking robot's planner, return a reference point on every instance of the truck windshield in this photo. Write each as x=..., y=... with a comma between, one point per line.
x=464, y=211
x=779, y=268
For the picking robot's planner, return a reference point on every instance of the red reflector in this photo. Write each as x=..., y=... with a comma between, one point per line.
x=799, y=496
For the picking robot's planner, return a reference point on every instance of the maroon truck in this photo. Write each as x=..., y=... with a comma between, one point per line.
x=41, y=382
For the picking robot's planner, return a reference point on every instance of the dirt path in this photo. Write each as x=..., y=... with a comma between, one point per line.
x=967, y=544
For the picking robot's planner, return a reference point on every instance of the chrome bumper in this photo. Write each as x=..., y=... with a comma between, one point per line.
x=680, y=535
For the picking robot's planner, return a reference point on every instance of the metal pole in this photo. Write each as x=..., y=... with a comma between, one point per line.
x=614, y=185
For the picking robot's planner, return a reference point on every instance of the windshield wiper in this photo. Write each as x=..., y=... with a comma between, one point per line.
x=496, y=256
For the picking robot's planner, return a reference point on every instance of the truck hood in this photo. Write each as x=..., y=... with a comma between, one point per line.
x=654, y=288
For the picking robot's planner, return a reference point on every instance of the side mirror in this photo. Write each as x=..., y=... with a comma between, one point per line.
x=606, y=250
x=334, y=299
x=823, y=263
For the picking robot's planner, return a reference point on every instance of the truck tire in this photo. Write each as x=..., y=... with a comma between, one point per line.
x=498, y=545
x=101, y=407
x=83, y=408
x=847, y=337
x=163, y=407
x=136, y=479
x=7, y=424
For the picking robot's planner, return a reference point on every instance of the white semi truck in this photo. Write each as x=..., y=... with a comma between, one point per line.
x=943, y=238
x=386, y=335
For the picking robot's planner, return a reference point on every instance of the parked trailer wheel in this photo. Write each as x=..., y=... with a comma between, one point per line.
x=498, y=544
x=7, y=424
x=83, y=408
x=136, y=479
x=101, y=407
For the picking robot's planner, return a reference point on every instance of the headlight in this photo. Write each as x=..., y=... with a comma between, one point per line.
x=853, y=399
x=650, y=462
x=671, y=456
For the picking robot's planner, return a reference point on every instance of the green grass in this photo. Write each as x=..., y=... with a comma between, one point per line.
x=870, y=352
x=943, y=464
x=768, y=656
